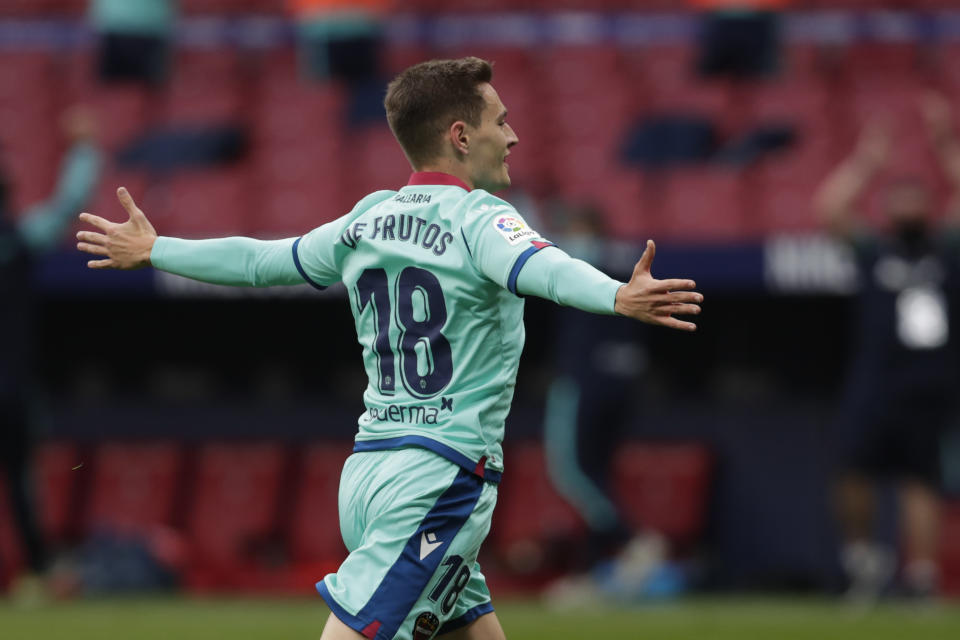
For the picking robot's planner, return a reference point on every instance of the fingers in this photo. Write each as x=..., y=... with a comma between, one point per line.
x=101, y=223
x=92, y=237
x=680, y=296
x=101, y=264
x=646, y=260
x=673, y=284
x=680, y=309
x=127, y=201
x=95, y=249
x=681, y=325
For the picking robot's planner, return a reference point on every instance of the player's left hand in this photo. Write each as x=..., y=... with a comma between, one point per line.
x=655, y=301
x=125, y=245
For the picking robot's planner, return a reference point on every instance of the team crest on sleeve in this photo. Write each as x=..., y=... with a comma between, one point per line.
x=511, y=227
x=425, y=626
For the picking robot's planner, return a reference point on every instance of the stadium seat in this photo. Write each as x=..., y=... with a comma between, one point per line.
x=530, y=513
x=11, y=553
x=665, y=487
x=623, y=202
x=205, y=87
x=785, y=187
x=399, y=56
x=701, y=205
x=314, y=531
x=134, y=487
x=234, y=504
x=122, y=113
x=288, y=210
x=220, y=7
x=374, y=150
x=58, y=484
x=206, y=203
x=950, y=548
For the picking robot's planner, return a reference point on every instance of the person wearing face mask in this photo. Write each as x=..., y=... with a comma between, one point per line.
x=901, y=386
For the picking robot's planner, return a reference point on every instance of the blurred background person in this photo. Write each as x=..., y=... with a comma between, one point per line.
x=340, y=39
x=739, y=38
x=597, y=365
x=23, y=239
x=135, y=39
x=901, y=393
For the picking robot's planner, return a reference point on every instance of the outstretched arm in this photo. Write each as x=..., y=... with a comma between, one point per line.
x=836, y=197
x=230, y=261
x=554, y=275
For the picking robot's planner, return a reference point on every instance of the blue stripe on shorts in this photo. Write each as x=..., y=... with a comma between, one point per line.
x=400, y=589
x=467, y=618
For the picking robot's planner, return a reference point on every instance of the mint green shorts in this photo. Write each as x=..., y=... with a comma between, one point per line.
x=413, y=523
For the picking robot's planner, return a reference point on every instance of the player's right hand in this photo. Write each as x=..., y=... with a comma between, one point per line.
x=124, y=245
x=655, y=301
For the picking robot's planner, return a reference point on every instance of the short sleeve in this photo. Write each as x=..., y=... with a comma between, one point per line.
x=500, y=241
x=314, y=255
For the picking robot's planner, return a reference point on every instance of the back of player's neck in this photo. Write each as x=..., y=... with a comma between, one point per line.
x=447, y=168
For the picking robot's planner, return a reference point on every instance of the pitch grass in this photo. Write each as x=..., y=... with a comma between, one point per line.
x=694, y=619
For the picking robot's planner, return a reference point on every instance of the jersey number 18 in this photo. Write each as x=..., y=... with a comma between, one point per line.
x=421, y=313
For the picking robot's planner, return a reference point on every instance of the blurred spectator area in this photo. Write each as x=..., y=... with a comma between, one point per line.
x=254, y=515
x=263, y=515
x=571, y=105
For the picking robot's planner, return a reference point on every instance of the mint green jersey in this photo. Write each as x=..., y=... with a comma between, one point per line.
x=431, y=273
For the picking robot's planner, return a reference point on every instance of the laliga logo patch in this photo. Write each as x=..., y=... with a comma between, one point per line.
x=513, y=229
x=425, y=626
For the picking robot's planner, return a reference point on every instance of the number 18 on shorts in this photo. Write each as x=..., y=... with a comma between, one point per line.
x=413, y=523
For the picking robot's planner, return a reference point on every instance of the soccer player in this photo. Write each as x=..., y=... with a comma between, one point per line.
x=902, y=387
x=434, y=273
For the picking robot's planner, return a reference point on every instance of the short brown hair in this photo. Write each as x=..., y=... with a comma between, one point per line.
x=428, y=97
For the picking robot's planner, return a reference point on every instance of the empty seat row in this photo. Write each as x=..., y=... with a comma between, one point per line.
x=230, y=504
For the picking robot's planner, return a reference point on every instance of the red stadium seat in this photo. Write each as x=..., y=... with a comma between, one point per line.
x=294, y=209
x=122, y=113
x=292, y=110
x=530, y=512
x=950, y=548
x=665, y=487
x=621, y=198
x=234, y=502
x=786, y=184
x=134, y=486
x=200, y=204
x=701, y=205
x=379, y=161
x=205, y=87
x=29, y=136
x=11, y=549
x=315, y=522
x=57, y=483
x=216, y=7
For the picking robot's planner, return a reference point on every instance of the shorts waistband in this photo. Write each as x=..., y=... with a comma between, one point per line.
x=476, y=467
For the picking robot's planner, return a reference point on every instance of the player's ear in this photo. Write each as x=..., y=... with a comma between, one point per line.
x=459, y=137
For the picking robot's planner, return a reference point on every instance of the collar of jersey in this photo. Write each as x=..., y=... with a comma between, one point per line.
x=418, y=178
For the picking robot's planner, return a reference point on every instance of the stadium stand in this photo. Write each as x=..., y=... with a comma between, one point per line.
x=233, y=516
x=134, y=487
x=570, y=105
x=56, y=471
